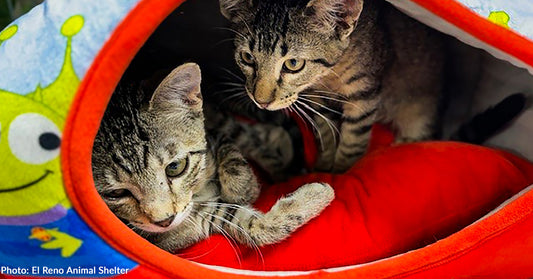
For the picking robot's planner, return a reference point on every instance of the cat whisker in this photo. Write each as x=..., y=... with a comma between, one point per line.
x=333, y=128
x=236, y=206
x=325, y=85
x=240, y=100
x=299, y=116
x=227, y=91
x=221, y=42
x=335, y=100
x=236, y=95
x=232, y=74
x=244, y=233
x=196, y=227
x=321, y=105
x=192, y=258
x=232, y=30
x=183, y=255
x=226, y=235
x=235, y=84
x=313, y=124
x=244, y=102
x=322, y=93
x=330, y=124
x=335, y=73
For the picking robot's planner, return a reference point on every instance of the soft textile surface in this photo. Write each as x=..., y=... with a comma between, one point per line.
x=517, y=15
x=43, y=58
x=394, y=200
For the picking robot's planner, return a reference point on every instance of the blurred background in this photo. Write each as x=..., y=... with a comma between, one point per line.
x=12, y=9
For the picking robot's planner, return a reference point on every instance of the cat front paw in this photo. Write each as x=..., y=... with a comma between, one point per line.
x=291, y=212
x=307, y=202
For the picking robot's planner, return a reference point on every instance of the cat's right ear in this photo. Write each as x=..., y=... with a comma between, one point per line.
x=237, y=10
x=181, y=87
x=340, y=16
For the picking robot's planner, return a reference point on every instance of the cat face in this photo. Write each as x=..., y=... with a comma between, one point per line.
x=284, y=47
x=149, y=158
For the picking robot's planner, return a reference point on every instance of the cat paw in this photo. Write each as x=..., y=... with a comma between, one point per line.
x=404, y=140
x=291, y=212
x=308, y=200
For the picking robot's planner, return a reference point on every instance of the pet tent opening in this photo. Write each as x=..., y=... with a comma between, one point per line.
x=380, y=224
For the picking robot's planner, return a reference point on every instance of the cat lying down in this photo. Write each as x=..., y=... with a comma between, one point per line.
x=159, y=171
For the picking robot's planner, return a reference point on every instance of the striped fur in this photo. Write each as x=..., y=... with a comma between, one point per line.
x=142, y=135
x=271, y=147
x=363, y=62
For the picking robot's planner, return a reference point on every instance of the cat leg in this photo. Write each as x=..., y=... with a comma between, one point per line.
x=237, y=179
x=267, y=145
x=415, y=121
x=327, y=142
x=356, y=128
x=254, y=228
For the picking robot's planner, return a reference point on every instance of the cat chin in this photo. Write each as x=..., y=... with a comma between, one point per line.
x=180, y=217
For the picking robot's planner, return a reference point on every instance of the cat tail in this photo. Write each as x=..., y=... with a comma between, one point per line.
x=494, y=119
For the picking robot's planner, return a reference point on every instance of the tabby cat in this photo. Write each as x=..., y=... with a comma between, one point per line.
x=365, y=61
x=160, y=173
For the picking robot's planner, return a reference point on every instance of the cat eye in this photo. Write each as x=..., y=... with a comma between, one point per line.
x=177, y=168
x=247, y=58
x=294, y=65
x=117, y=194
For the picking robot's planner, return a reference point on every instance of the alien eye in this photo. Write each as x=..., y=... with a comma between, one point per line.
x=247, y=58
x=34, y=139
x=49, y=141
x=294, y=65
x=176, y=168
x=117, y=194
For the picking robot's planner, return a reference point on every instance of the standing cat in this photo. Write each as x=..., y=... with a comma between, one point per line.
x=159, y=172
x=366, y=59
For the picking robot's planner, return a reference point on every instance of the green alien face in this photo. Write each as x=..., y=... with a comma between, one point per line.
x=30, y=137
x=29, y=143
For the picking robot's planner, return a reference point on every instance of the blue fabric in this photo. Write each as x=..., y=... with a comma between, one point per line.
x=40, y=43
x=17, y=250
x=520, y=13
x=43, y=57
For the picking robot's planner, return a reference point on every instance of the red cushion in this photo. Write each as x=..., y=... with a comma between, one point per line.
x=396, y=199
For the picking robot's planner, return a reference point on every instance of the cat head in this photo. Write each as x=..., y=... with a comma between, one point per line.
x=285, y=46
x=149, y=156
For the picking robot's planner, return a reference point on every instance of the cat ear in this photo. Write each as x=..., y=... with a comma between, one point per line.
x=334, y=15
x=180, y=87
x=236, y=10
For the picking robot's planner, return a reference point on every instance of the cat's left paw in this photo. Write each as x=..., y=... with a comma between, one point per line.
x=405, y=140
x=291, y=212
x=307, y=201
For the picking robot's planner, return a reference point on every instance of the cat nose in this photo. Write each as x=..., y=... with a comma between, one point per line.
x=264, y=101
x=165, y=223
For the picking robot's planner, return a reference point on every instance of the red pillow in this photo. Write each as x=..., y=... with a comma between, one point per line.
x=394, y=200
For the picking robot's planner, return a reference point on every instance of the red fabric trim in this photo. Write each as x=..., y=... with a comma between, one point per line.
x=492, y=34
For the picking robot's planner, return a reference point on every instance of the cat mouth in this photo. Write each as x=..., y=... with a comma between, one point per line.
x=178, y=219
x=283, y=103
x=21, y=187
